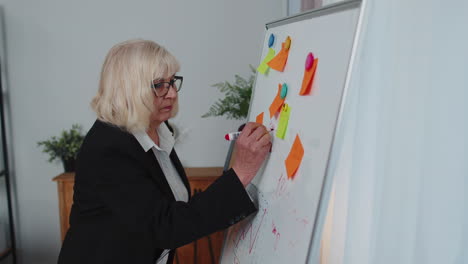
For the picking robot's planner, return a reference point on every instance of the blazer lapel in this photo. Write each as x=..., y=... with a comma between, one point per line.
x=148, y=157
x=177, y=164
x=157, y=173
x=180, y=169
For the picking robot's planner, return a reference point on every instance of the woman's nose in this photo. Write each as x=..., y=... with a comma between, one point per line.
x=172, y=93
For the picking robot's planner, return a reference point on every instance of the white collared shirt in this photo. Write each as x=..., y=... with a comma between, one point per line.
x=162, y=152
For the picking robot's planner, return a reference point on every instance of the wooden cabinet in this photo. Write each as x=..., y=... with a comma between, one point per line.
x=205, y=250
x=65, y=182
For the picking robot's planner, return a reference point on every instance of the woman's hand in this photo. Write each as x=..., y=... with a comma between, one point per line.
x=252, y=146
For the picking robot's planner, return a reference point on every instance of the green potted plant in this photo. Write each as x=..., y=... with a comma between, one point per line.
x=235, y=104
x=65, y=147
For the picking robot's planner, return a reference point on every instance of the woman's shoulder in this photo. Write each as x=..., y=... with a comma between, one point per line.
x=103, y=128
x=105, y=136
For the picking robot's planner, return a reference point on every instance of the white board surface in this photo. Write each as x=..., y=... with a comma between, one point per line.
x=281, y=230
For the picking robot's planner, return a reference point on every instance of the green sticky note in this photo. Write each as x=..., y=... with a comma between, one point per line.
x=283, y=121
x=263, y=67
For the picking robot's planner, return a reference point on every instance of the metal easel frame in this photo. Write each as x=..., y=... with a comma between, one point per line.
x=6, y=173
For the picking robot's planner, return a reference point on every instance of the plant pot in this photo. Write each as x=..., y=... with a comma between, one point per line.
x=69, y=165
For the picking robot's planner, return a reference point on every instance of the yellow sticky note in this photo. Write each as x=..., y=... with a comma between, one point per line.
x=263, y=67
x=283, y=121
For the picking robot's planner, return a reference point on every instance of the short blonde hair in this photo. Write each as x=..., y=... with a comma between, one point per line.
x=125, y=98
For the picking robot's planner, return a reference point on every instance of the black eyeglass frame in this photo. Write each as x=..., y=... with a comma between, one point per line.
x=170, y=83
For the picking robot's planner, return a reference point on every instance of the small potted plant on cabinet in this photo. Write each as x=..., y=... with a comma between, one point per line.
x=65, y=147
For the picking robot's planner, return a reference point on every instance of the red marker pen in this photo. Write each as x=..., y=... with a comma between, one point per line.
x=234, y=135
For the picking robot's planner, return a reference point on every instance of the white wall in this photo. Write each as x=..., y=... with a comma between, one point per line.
x=55, y=50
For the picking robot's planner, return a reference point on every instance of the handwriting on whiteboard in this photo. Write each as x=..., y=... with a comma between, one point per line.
x=281, y=186
x=249, y=232
x=276, y=234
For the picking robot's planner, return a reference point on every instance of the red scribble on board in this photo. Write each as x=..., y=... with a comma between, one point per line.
x=303, y=221
x=281, y=186
x=293, y=243
x=277, y=240
x=250, y=233
x=276, y=233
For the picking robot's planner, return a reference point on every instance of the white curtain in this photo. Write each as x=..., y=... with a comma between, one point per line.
x=401, y=176
x=297, y=6
x=310, y=4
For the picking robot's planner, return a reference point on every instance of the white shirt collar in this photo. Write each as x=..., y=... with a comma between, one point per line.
x=166, y=139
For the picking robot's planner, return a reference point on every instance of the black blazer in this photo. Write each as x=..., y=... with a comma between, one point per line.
x=124, y=210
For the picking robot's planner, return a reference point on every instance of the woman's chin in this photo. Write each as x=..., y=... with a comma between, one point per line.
x=163, y=118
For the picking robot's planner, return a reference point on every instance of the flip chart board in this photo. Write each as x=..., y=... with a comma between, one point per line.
x=289, y=188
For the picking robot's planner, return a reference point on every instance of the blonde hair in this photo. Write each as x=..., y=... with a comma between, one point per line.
x=125, y=98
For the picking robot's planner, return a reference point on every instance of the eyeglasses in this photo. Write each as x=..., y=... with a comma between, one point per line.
x=162, y=88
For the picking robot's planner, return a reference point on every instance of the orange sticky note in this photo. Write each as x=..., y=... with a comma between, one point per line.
x=308, y=79
x=277, y=103
x=279, y=61
x=259, y=118
x=294, y=158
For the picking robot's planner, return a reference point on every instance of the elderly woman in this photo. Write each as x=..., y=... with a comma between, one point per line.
x=132, y=199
